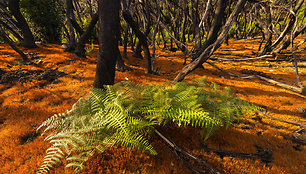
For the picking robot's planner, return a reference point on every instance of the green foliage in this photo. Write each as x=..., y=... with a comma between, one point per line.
x=126, y=114
x=89, y=49
x=45, y=18
x=93, y=35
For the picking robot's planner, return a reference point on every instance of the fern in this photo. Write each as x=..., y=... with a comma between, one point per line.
x=126, y=114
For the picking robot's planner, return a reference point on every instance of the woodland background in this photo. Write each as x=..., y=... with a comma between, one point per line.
x=53, y=52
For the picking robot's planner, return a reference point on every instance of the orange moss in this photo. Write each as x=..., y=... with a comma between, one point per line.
x=26, y=106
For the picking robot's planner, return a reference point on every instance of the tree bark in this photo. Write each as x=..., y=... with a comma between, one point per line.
x=69, y=16
x=216, y=26
x=286, y=43
x=11, y=30
x=142, y=38
x=80, y=46
x=28, y=38
x=108, y=42
x=125, y=40
x=195, y=25
x=213, y=47
x=7, y=40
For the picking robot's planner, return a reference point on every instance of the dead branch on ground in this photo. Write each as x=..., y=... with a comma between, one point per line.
x=185, y=156
x=265, y=155
x=279, y=119
x=229, y=73
x=286, y=86
x=246, y=59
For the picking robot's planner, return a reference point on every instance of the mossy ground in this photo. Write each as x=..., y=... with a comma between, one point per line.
x=24, y=106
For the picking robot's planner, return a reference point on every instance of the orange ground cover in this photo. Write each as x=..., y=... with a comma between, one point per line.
x=24, y=106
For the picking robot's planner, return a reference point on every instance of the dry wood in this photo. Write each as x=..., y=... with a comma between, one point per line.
x=229, y=73
x=208, y=4
x=4, y=36
x=264, y=154
x=281, y=120
x=171, y=55
x=299, y=136
x=213, y=47
x=292, y=88
x=246, y=59
x=301, y=90
x=182, y=154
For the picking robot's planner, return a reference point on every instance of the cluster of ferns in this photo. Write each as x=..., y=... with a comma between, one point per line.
x=127, y=114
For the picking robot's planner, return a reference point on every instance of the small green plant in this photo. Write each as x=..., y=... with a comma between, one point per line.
x=126, y=114
x=89, y=49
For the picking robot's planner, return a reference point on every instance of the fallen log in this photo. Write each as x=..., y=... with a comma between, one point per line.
x=279, y=119
x=286, y=86
x=246, y=59
x=229, y=73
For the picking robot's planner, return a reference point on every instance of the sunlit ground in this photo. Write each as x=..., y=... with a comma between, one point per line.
x=24, y=106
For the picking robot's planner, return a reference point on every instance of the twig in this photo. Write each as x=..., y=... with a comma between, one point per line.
x=278, y=119
x=179, y=151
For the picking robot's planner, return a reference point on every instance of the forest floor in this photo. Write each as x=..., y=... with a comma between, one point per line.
x=29, y=94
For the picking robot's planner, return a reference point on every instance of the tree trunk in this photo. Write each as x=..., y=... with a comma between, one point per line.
x=108, y=42
x=126, y=40
x=195, y=25
x=216, y=26
x=28, y=38
x=153, y=43
x=120, y=66
x=20, y=39
x=69, y=16
x=213, y=47
x=142, y=38
x=80, y=46
x=7, y=40
x=286, y=43
x=138, y=50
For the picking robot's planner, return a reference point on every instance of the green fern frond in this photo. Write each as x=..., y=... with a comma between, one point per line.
x=126, y=114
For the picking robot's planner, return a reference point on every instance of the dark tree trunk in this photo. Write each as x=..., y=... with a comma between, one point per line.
x=153, y=43
x=183, y=38
x=70, y=16
x=7, y=40
x=286, y=43
x=120, y=66
x=164, y=38
x=268, y=32
x=287, y=28
x=213, y=47
x=195, y=24
x=108, y=42
x=28, y=38
x=11, y=30
x=126, y=40
x=133, y=41
x=142, y=39
x=138, y=50
x=76, y=26
x=216, y=26
x=80, y=46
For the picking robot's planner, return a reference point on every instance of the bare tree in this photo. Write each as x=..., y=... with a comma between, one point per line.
x=108, y=11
